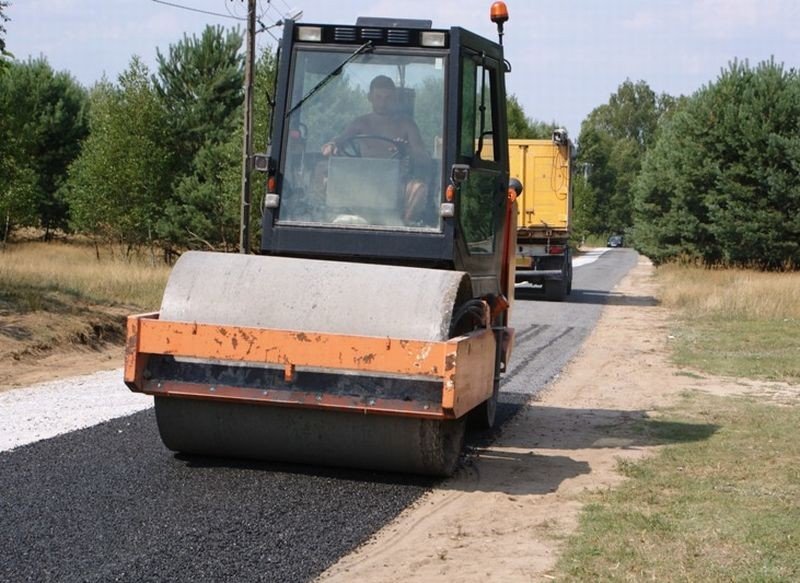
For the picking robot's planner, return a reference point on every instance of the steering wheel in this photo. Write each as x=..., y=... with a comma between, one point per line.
x=349, y=146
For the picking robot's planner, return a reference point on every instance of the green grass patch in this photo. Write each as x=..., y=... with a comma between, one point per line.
x=594, y=241
x=764, y=349
x=719, y=506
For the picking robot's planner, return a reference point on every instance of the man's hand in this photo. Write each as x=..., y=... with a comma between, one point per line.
x=399, y=148
x=329, y=148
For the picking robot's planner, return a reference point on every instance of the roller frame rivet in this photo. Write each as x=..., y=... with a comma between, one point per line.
x=319, y=397
x=371, y=402
x=212, y=389
x=426, y=407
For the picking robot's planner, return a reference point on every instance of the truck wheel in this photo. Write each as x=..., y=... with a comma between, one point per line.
x=568, y=261
x=555, y=291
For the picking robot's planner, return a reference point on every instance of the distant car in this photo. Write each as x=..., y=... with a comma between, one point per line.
x=615, y=241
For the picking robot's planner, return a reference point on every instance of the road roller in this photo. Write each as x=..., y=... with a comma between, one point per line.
x=370, y=327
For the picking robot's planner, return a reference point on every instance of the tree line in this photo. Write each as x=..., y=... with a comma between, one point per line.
x=155, y=158
x=151, y=159
x=712, y=178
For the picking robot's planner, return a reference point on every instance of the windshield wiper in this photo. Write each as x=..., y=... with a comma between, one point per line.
x=363, y=48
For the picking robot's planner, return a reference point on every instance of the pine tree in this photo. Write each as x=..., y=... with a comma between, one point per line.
x=723, y=182
x=200, y=83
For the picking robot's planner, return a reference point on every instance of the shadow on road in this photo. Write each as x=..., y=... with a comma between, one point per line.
x=315, y=472
x=534, y=455
x=589, y=296
x=520, y=459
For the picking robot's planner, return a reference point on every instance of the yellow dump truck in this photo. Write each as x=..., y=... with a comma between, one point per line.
x=544, y=258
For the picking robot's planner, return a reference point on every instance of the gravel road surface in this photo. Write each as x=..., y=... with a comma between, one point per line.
x=88, y=493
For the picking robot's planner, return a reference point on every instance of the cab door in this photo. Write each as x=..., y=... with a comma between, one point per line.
x=481, y=144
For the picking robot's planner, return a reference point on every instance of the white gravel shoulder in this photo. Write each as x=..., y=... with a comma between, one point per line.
x=48, y=409
x=589, y=257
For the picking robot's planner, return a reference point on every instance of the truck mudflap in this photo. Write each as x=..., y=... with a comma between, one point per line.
x=288, y=368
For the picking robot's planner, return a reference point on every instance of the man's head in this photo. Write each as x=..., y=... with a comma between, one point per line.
x=382, y=95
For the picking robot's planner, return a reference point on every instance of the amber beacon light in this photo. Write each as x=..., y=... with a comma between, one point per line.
x=499, y=15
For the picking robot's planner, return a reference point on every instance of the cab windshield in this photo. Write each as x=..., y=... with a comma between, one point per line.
x=364, y=146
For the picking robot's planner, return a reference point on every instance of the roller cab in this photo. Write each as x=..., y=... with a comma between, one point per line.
x=374, y=319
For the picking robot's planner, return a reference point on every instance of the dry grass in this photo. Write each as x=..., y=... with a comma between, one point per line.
x=59, y=298
x=734, y=322
x=30, y=272
x=730, y=293
x=721, y=506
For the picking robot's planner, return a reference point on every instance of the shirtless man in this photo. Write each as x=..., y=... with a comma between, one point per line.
x=400, y=133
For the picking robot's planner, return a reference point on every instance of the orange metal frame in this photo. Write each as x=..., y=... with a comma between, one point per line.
x=464, y=365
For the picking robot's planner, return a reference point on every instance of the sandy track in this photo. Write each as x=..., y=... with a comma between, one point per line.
x=505, y=515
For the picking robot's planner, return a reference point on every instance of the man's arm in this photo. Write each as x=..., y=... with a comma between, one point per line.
x=355, y=128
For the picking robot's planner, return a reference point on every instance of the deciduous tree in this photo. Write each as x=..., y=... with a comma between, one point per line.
x=523, y=127
x=4, y=54
x=42, y=122
x=612, y=142
x=118, y=186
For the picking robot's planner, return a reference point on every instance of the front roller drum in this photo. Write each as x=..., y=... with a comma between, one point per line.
x=310, y=436
x=379, y=302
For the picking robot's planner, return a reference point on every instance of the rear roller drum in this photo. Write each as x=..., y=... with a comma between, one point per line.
x=310, y=436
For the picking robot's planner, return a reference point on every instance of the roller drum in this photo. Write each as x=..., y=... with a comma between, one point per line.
x=310, y=436
x=312, y=296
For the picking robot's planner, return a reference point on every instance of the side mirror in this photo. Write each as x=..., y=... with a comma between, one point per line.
x=261, y=162
x=459, y=173
x=516, y=185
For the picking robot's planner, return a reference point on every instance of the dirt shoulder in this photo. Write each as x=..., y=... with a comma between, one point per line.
x=504, y=517
x=50, y=365
x=43, y=346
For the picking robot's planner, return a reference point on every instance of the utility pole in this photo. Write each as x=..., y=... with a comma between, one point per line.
x=247, y=148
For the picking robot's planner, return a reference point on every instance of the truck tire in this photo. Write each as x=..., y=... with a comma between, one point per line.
x=569, y=277
x=555, y=290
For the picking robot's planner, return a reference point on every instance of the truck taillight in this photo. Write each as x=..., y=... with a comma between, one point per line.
x=556, y=249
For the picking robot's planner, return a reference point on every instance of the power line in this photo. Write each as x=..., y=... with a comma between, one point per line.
x=189, y=8
x=288, y=8
x=231, y=15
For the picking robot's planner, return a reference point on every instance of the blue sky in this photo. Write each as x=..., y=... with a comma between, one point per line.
x=568, y=56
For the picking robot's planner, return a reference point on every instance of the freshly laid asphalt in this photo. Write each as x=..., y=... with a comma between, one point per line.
x=110, y=503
